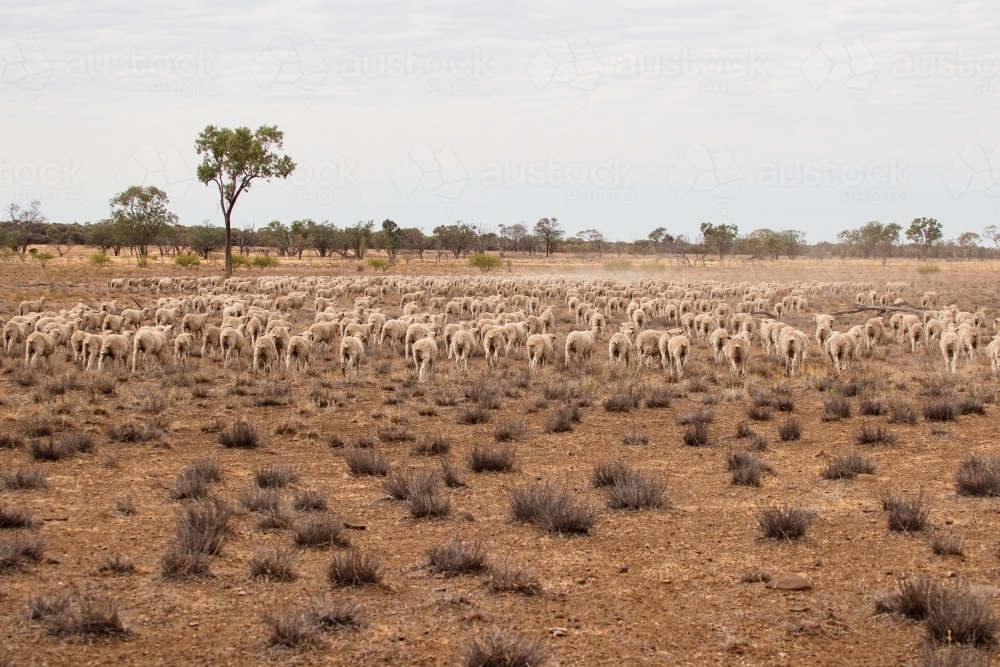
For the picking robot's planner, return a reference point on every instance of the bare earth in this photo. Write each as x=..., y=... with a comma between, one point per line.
x=649, y=587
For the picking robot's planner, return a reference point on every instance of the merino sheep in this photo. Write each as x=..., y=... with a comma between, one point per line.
x=737, y=352
x=678, y=350
x=718, y=340
x=149, y=342
x=297, y=354
x=115, y=347
x=620, y=347
x=31, y=306
x=540, y=349
x=425, y=352
x=39, y=346
x=494, y=341
x=580, y=344
x=950, y=349
x=182, y=347
x=463, y=345
x=352, y=349
x=232, y=343
x=265, y=353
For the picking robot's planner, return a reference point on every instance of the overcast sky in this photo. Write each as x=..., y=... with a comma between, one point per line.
x=617, y=116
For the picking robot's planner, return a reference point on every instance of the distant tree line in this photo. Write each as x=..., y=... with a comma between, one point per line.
x=141, y=224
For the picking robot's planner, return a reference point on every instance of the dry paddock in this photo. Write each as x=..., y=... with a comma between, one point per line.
x=658, y=586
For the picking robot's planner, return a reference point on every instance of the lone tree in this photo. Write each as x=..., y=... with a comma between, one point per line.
x=550, y=233
x=923, y=233
x=233, y=160
x=719, y=237
x=393, y=237
x=140, y=214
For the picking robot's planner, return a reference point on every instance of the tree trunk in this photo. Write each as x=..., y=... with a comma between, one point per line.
x=229, y=246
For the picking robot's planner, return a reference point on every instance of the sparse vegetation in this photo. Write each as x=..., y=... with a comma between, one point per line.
x=978, y=475
x=849, y=465
x=784, y=522
x=553, y=509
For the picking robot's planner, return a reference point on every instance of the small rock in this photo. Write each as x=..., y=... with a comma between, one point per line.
x=799, y=607
x=354, y=524
x=465, y=514
x=623, y=570
x=194, y=624
x=865, y=477
x=559, y=632
x=790, y=582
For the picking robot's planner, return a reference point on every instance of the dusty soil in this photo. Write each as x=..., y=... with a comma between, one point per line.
x=656, y=587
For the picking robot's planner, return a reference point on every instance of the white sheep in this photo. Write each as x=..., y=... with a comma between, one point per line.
x=950, y=349
x=737, y=352
x=182, y=347
x=580, y=344
x=149, y=342
x=425, y=352
x=39, y=346
x=678, y=349
x=265, y=353
x=351, y=352
x=718, y=339
x=31, y=306
x=540, y=349
x=232, y=343
x=115, y=347
x=494, y=340
x=297, y=354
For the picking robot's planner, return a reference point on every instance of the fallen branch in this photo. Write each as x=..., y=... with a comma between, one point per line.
x=901, y=308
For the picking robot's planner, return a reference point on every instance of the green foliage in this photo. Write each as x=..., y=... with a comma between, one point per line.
x=924, y=232
x=140, y=215
x=927, y=269
x=233, y=159
x=41, y=256
x=263, y=262
x=549, y=232
x=187, y=261
x=457, y=238
x=205, y=239
x=99, y=258
x=484, y=262
x=240, y=260
x=378, y=263
x=719, y=237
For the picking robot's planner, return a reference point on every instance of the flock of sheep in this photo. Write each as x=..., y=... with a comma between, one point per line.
x=458, y=316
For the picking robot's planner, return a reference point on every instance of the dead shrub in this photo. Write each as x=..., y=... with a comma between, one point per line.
x=446, y=398
x=836, y=408
x=310, y=500
x=291, y=629
x=874, y=435
x=784, y=522
x=960, y=616
x=849, y=465
x=19, y=550
x=746, y=467
x=660, y=397
x=503, y=648
x=84, y=616
x=509, y=578
x=607, y=473
x=278, y=518
x=364, y=442
x=901, y=412
x=492, y=458
x=242, y=435
x=117, y=565
x=401, y=485
x=696, y=435
x=635, y=439
x=555, y=391
x=905, y=515
x=512, y=430
x=701, y=416
x=953, y=655
x=621, y=402
x=757, y=443
x=943, y=409
x=50, y=450
x=972, y=405
x=274, y=476
x=132, y=432
x=562, y=419
x=273, y=394
x=354, y=568
x=436, y=445
x=330, y=615
x=13, y=518
x=255, y=499
x=320, y=532
x=428, y=504
x=456, y=557
x=453, y=477
x=11, y=441
x=397, y=433
x=755, y=575
x=635, y=490
x=790, y=430
x=979, y=476
x=551, y=508
x=272, y=564
x=947, y=544
x=125, y=506
x=744, y=430
x=476, y=414
x=912, y=598
x=759, y=413
x=366, y=462
x=39, y=426
x=25, y=479
x=25, y=376
x=872, y=406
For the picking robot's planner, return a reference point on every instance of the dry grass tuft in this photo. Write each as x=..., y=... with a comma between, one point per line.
x=510, y=431
x=836, y=408
x=456, y=557
x=509, y=578
x=25, y=479
x=401, y=485
x=979, y=476
x=320, y=532
x=784, y=522
x=19, y=550
x=746, y=467
x=696, y=435
x=503, y=648
x=272, y=564
x=436, y=445
x=362, y=461
x=906, y=515
x=551, y=508
x=562, y=419
x=71, y=614
x=242, y=435
x=849, y=465
x=492, y=458
x=790, y=430
x=274, y=476
x=354, y=568
x=874, y=435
